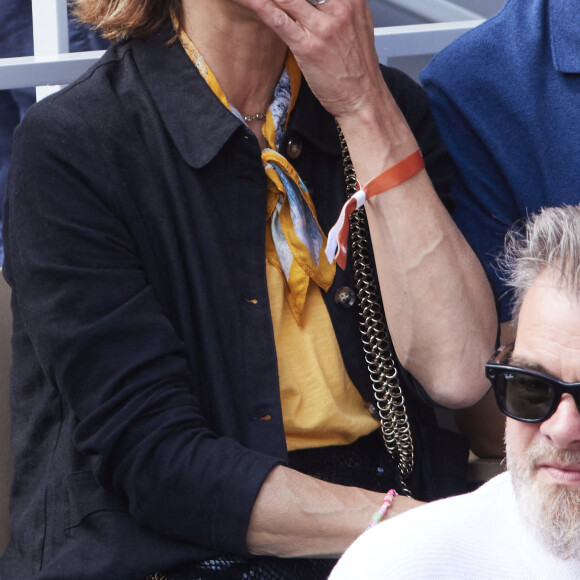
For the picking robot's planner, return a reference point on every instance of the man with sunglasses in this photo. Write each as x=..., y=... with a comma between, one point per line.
x=524, y=523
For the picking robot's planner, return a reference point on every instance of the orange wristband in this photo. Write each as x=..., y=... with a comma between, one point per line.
x=395, y=175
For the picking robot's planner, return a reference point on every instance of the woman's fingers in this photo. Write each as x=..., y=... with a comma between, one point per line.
x=281, y=21
x=333, y=43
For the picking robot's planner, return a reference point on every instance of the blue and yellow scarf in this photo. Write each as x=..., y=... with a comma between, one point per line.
x=295, y=243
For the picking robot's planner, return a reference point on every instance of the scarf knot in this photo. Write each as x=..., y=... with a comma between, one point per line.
x=295, y=242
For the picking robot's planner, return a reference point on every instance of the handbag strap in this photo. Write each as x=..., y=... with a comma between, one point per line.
x=379, y=353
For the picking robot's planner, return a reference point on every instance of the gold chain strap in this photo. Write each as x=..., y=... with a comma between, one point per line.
x=379, y=355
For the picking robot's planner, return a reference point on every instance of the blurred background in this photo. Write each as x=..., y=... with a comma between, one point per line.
x=408, y=12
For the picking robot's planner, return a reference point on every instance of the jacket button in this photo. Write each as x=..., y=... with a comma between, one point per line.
x=294, y=148
x=345, y=297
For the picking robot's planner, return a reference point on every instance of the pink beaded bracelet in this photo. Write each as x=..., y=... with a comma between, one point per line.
x=378, y=515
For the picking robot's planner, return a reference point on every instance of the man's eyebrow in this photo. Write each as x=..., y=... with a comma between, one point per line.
x=522, y=363
x=529, y=365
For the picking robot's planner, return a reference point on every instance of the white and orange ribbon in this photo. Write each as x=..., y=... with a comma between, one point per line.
x=336, y=246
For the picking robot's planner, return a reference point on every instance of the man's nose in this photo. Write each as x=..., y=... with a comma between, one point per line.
x=563, y=427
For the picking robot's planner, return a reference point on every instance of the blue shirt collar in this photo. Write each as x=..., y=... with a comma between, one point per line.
x=564, y=25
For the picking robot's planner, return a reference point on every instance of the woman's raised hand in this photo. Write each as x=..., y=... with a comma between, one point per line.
x=333, y=43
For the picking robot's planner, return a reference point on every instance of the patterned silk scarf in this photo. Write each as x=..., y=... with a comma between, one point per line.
x=295, y=243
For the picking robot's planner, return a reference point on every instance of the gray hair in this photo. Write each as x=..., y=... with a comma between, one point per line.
x=550, y=240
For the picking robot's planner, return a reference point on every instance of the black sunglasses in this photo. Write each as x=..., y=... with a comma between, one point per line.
x=524, y=394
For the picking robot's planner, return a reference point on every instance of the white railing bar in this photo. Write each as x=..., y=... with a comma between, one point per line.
x=61, y=69
x=56, y=69
x=418, y=39
x=50, y=33
x=51, y=26
x=436, y=10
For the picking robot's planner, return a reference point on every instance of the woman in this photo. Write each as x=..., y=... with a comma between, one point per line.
x=176, y=332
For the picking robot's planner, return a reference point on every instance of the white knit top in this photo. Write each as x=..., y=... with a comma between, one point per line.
x=475, y=536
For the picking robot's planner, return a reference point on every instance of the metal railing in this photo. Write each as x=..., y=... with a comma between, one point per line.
x=53, y=66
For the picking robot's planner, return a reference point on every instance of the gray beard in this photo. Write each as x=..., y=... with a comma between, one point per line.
x=552, y=513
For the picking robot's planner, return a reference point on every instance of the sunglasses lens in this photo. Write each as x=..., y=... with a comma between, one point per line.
x=523, y=396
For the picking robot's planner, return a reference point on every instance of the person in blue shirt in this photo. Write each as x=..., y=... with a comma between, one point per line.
x=506, y=98
x=16, y=40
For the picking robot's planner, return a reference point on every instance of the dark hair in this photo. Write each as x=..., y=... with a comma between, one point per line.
x=126, y=18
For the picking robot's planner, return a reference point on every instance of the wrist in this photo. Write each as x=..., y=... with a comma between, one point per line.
x=377, y=136
x=390, y=178
x=383, y=508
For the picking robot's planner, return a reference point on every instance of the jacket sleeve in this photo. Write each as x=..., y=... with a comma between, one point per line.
x=103, y=341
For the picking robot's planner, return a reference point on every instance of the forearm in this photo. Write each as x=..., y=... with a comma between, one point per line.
x=483, y=423
x=439, y=304
x=438, y=301
x=296, y=515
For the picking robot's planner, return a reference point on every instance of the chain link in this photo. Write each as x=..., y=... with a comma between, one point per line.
x=375, y=337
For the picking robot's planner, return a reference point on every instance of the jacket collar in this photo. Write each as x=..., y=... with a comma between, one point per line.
x=564, y=26
x=182, y=95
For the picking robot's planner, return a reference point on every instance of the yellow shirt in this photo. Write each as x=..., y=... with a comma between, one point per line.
x=320, y=404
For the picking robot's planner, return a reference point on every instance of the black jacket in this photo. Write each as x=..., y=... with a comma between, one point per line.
x=144, y=360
